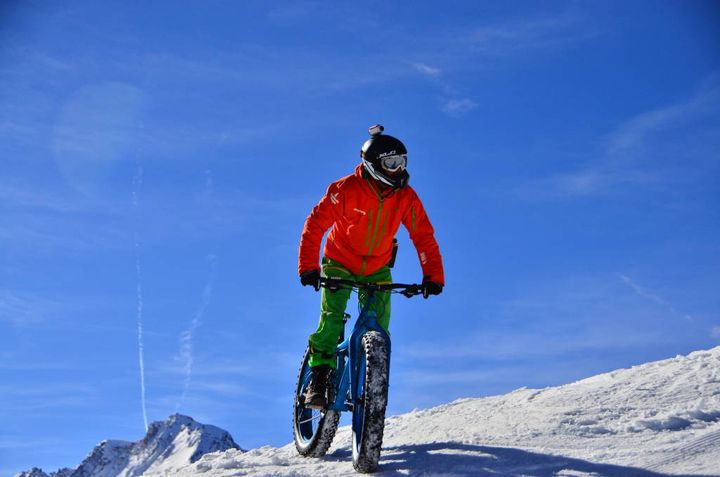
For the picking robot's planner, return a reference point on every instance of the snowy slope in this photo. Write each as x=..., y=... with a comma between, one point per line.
x=167, y=446
x=658, y=418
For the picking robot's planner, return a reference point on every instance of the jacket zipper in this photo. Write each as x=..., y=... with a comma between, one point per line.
x=373, y=241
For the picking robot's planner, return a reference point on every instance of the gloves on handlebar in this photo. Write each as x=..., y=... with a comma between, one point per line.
x=312, y=278
x=430, y=287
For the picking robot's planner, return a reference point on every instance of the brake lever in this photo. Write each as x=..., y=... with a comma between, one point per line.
x=409, y=293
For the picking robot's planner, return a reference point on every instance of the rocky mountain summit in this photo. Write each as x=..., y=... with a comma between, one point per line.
x=172, y=444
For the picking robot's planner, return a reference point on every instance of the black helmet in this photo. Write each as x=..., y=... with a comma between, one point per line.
x=385, y=158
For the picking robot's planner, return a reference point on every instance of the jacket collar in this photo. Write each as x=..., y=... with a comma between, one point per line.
x=370, y=185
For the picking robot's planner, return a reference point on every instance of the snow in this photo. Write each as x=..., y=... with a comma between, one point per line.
x=654, y=419
x=167, y=447
x=661, y=417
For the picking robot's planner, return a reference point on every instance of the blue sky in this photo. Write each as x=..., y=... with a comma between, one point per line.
x=159, y=159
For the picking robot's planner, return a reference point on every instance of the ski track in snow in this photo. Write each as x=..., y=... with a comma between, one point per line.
x=695, y=447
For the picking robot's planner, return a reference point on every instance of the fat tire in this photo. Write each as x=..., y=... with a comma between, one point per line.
x=366, y=448
x=323, y=432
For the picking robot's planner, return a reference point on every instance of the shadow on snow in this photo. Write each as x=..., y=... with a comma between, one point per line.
x=451, y=458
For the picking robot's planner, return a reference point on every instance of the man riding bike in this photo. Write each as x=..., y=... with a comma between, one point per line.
x=365, y=210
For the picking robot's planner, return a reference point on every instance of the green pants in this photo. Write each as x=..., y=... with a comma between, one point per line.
x=324, y=341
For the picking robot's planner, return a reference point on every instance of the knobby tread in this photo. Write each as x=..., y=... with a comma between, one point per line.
x=324, y=434
x=366, y=454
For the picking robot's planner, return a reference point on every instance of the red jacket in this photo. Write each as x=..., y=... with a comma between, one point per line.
x=364, y=223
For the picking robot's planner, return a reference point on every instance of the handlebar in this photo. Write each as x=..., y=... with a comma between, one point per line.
x=409, y=291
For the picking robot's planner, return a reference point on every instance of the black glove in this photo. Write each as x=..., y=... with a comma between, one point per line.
x=430, y=287
x=312, y=278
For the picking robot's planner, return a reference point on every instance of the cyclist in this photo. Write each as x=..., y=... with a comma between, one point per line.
x=365, y=210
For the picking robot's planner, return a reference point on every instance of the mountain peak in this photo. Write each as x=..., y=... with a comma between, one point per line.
x=171, y=444
x=184, y=434
x=34, y=472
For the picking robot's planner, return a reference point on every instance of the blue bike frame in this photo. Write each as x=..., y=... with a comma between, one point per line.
x=348, y=358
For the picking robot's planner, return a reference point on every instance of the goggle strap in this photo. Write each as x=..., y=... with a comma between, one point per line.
x=369, y=167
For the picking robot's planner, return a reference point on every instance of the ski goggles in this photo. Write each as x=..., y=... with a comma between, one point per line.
x=394, y=163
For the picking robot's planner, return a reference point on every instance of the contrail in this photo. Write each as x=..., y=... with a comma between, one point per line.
x=186, y=338
x=137, y=184
x=652, y=297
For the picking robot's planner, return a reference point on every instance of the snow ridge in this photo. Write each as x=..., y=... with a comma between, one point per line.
x=649, y=420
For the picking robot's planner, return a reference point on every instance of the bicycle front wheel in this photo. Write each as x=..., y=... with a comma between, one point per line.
x=313, y=429
x=368, y=422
